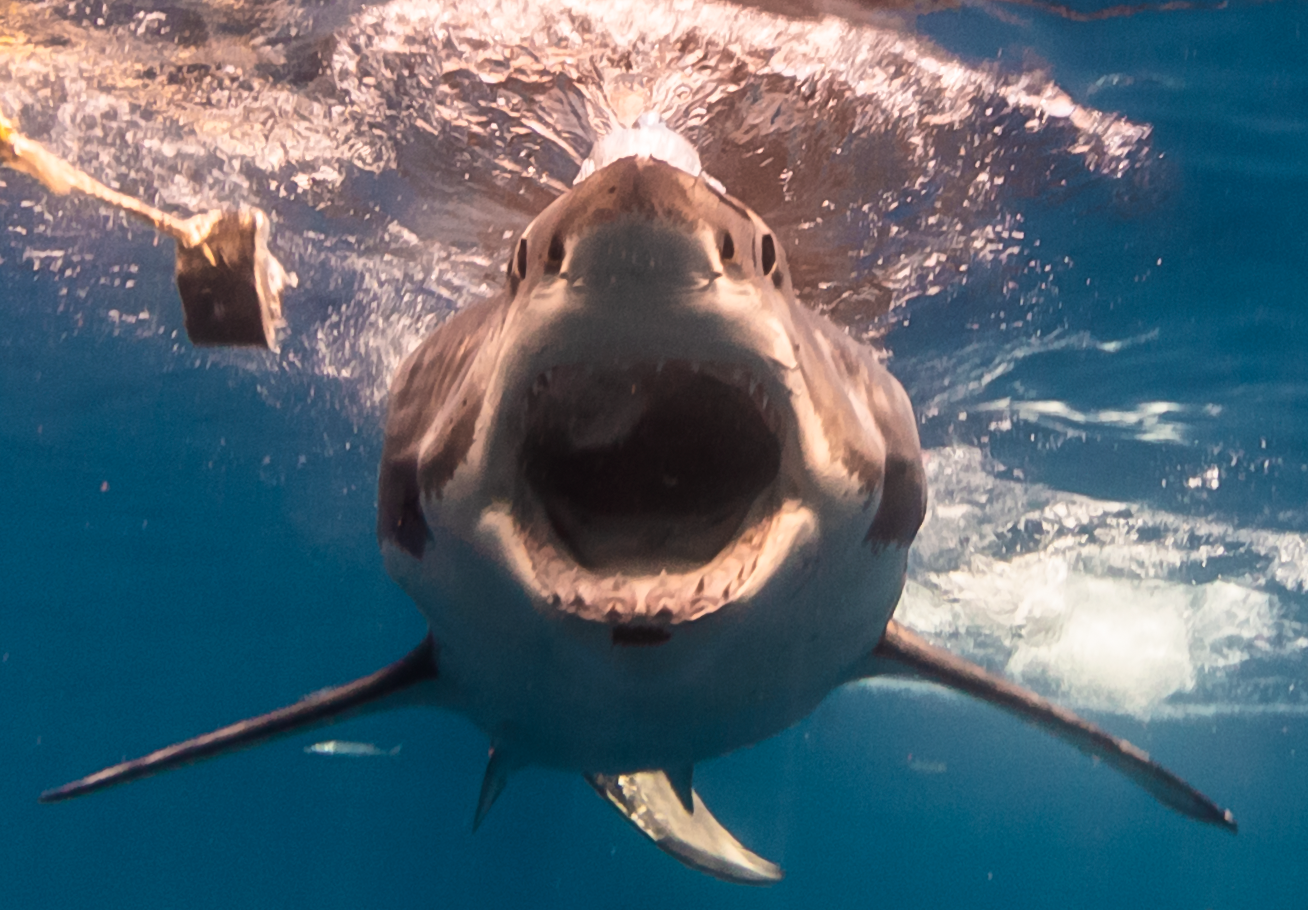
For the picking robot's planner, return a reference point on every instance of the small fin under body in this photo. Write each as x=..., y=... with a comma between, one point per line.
x=649, y=801
x=902, y=652
x=492, y=784
x=682, y=781
x=321, y=708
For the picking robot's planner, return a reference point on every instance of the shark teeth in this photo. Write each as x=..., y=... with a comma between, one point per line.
x=654, y=565
x=668, y=598
x=735, y=375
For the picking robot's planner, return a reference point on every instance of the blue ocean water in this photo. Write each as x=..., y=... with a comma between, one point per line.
x=1116, y=415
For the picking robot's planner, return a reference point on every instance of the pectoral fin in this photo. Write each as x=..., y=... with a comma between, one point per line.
x=318, y=709
x=648, y=800
x=904, y=652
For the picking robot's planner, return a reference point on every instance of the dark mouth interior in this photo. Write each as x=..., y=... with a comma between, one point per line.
x=649, y=467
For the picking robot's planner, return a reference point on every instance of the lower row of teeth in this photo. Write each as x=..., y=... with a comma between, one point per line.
x=670, y=598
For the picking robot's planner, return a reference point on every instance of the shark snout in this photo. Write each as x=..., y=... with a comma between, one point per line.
x=637, y=219
x=644, y=187
x=642, y=223
x=648, y=253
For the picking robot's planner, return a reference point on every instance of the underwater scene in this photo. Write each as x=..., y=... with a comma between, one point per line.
x=1075, y=234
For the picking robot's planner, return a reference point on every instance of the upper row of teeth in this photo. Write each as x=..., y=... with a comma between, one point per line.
x=739, y=377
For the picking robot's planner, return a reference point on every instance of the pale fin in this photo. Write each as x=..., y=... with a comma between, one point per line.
x=682, y=781
x=492, y=785
x=648, y=800
x=320, y=708
x=904, y=650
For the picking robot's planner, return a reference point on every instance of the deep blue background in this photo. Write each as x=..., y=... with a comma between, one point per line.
x=204, y=585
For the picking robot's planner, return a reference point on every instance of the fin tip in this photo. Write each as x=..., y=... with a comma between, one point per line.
x=61, y=794
x=492, y=785
x=1228, y=822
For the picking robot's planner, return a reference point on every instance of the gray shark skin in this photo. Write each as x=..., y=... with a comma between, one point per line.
x=654, y=510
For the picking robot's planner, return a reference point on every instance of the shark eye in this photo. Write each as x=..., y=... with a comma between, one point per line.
x=769, y=253
x=728, y=246
x=554, y=255
x=522, y=258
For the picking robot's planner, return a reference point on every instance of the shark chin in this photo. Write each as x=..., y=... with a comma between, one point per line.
x=653, y=509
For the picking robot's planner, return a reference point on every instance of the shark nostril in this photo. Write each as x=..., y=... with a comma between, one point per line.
x=769, y=253
x=521, y=258
x=728, y=246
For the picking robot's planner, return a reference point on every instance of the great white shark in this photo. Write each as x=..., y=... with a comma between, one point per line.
x=653, y=509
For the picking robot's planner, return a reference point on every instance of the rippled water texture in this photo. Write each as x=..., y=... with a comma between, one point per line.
x=938, y=205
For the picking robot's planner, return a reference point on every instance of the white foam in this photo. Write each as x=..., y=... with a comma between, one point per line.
x=649, y=138
x=1097, y=602
x=1149, y=421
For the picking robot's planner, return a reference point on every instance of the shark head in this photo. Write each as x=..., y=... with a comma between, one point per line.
x=644, y=431
x=647, y=424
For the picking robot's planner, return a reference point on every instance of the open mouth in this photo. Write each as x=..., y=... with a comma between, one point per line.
x=653, y=480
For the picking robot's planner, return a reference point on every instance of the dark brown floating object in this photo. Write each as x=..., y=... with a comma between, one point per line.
x=229, y=283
